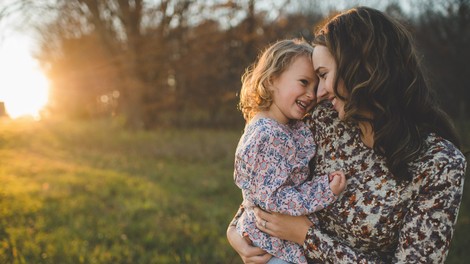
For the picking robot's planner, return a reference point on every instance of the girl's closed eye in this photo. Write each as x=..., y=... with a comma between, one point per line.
x=304, y=82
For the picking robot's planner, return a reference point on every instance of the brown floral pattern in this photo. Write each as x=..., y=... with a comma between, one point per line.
x=377, y=219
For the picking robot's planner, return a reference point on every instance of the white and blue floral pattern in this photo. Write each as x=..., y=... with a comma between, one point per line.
x=271, y=169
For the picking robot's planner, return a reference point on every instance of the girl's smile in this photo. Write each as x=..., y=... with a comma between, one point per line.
x=293, y=91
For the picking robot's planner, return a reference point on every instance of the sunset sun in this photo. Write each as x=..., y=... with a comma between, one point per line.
x=23, y=87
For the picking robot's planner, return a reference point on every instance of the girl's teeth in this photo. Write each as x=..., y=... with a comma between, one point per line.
x=301, y=104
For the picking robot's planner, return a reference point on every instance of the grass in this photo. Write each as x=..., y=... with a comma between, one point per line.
x=95, y=193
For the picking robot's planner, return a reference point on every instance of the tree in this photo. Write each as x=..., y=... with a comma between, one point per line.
x=131, y=37
x=443, y=32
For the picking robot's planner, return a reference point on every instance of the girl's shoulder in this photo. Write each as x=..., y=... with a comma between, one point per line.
x=264, y=125
x=264, y=130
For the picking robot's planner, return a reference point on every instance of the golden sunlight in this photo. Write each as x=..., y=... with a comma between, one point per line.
x=23, y=87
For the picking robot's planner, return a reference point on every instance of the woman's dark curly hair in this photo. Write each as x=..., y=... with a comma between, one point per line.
x=377, y=61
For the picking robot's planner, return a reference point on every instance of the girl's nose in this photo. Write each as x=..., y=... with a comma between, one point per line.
x=310, y=94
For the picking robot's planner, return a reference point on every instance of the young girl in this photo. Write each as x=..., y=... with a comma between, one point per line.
x=272, y=157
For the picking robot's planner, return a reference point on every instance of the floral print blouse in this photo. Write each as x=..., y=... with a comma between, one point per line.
x=271, y=169
x=377, y=219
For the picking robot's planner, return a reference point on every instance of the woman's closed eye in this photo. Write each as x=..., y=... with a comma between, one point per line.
x=322, y=75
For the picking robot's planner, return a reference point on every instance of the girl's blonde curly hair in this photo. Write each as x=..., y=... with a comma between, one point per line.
x=255, y=94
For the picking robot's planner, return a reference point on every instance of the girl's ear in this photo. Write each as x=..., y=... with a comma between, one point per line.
x=268, y=83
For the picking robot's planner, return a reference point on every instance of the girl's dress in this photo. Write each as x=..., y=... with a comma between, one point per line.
x=271, y=169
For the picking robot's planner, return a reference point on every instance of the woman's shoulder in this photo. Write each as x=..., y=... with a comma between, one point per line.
x=324, y=122
x=323, y=114
x=441, y=149
x=440, y=157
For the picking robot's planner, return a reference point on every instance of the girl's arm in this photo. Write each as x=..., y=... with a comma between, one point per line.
x=265, y=170
x=307, y=198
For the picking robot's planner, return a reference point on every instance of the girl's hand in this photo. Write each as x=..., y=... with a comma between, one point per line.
x=292, y=228
x=337, y=182
x=249, y=254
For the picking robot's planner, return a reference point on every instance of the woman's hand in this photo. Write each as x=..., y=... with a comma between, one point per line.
x=248, y=253
x=292, y=228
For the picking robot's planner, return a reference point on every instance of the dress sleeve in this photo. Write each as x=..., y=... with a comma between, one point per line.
x=237, y=216
x=427, y=227
x=267, y=165
x=429, y=224
x=309, y=197
x=323, y=248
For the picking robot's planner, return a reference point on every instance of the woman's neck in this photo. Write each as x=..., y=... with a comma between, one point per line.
x=367, y=134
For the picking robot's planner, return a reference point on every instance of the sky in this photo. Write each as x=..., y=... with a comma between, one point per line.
x=23, y=87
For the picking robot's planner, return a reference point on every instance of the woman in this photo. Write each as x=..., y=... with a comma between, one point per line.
x=397, y=148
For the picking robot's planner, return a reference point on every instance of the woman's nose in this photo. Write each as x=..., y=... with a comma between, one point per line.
x=321, y=92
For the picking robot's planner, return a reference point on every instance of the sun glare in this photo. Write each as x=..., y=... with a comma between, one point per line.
x=23, y=87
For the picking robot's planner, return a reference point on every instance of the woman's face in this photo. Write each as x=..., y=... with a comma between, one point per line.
x=325, y=68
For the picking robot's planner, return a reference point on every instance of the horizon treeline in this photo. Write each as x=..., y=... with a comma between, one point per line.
x=179, y=63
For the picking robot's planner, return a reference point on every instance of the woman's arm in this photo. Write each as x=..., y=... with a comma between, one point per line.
x=318, y=245
x=429, y=224
x=248, y=253
x=424, y=237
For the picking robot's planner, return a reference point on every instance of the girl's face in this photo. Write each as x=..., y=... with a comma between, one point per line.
x=293, y=91
x=325, y=68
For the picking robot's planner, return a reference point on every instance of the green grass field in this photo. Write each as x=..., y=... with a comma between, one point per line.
x=95, y=193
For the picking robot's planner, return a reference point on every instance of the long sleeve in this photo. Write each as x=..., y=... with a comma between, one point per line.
x=272, y=176
x=429, y=224
x=308, y=198
x=322, y=248
x=237, y=216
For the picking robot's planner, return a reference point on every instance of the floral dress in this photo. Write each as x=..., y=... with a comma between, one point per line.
x=377, y=219
x=271, y=169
